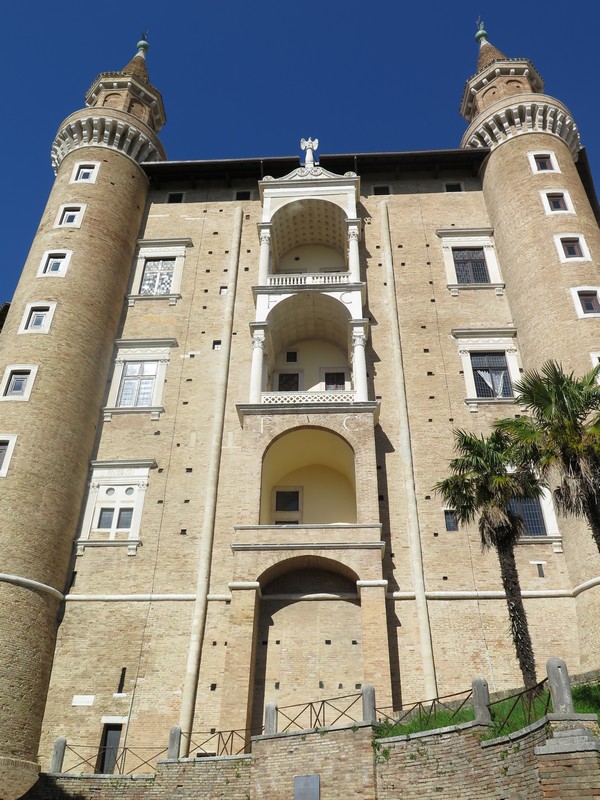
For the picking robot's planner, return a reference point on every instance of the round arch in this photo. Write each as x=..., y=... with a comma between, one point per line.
x=308, y=477
x=306, y=232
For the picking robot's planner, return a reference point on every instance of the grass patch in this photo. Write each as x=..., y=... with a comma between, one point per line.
x=586, y=698
x=416, y=723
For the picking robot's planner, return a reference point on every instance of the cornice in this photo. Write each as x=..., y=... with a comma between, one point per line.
x=115, y=130
x=519, y=115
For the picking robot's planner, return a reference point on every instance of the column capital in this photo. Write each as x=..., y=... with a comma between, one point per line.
x=264, y=232
x=354, y=228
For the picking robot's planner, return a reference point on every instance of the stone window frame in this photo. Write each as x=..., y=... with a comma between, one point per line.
x=49, y=255
x=113, y=474
x=544, y=194
x=94, y=167
x=11, y=369
x=78, y=208
x=575, y=292
x=492, y=340
x=347, y=378
x=29, y=308
x=159, y=249
x=533, y=163
x=560, y=238
x=11, y=440
x=466, y=238
x=154, y=350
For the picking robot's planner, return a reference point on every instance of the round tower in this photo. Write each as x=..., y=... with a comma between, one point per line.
x=545, y=230
x=55, y=353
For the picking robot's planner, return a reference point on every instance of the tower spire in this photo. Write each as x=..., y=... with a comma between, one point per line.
x=487, y=52
x=137, y=65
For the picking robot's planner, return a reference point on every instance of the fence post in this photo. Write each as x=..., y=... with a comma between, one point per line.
x=481, y=700
x=58, y=755
x=174, y=743
x=368, y=703
x=270, y=718
x=560, y=688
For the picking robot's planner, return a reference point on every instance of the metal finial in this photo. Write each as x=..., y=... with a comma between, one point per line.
x=142, y=45
x=481, y=35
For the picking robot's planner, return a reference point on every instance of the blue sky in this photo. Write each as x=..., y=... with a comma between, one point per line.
x=243, y=79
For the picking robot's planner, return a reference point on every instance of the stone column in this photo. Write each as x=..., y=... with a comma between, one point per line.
x=265, y=253
x=238, y=677
x=258, y=358
x=353, y=255
x=359, y=363
x=375, y=650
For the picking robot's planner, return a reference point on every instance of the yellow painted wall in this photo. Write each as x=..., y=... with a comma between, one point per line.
x=312, y=258
x=313, y=356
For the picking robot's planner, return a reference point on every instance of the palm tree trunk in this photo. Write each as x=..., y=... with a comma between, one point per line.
x=516, y=612
x=592, y=513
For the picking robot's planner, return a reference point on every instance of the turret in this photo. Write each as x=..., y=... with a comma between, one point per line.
x=55, y=352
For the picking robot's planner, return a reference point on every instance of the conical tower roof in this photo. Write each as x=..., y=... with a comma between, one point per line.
x=488, y=54
x=137, y=66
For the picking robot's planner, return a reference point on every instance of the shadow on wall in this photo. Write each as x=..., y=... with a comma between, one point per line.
x=46, y=788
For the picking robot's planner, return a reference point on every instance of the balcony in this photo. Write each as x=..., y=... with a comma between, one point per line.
x=292, y=281
x=340, y=535
x=307, y=398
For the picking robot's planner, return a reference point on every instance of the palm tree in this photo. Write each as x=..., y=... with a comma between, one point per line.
x=485, y=479
x=561, y=437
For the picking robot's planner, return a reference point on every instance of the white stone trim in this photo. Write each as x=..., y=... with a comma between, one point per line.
x=552, y=211
x=158, y=351
x=595, y=356
x=114, y=476
x=558, y=242
x=149, y=250
x=51, y=307
x=8, y=371
x=113, y=720
x=486, y=341
x=94, y=167
x=577, y=302
x=11, y=440
x=477, y=238
x=553, y=160
x=64, y=255
x=78, y=209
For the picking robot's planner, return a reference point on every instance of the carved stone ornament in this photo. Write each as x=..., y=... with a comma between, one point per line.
x=359, y=340
x=353, y=235
x=265, y=237
x=310, y=146
x=258, y=341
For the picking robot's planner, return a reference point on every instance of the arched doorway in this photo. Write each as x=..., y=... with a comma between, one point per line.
x=309, y=641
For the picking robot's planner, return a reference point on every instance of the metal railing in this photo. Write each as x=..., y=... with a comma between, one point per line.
x=90, y=759
x=220, y=743
x=520, y=710
x=320, y=714
x=424, y=714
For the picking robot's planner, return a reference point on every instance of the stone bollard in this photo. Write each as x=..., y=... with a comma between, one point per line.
x=174, y=743
x=481, y=701
x=368, y=703
x=58, y=755
x=560, y=688
x=270, y=718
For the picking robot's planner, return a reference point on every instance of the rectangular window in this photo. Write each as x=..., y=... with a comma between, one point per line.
x=7, y=445
x=470, y=265
x=453, y=187
x=589, y=302
x=105, y=518
x=335, y=381
x=175, y=197
x=556, y=201
x=572, y=248
x=115, y=517
x=216, y=345
x=70, y=216
x=243, y=195
x=222, y=290
x=490, y=373
x=291, y=356
x=450, y=520
x=381, y=190
x=17, y=383
x=288, y=382
x=530, y=511
x=137, y=384
x=86, y=173
x=3, y=451
x=37, y=318
x=157, y=277
x=543, y=162
x=54, y=264
x=287, y=501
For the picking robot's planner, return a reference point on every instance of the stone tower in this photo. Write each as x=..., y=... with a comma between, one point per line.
x=57, y=342
x=544, y=218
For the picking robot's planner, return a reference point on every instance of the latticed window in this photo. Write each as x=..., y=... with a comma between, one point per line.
x=3, y=452
x=470, y=265
x=530, y=511
x=158, y=276
x=490, y=373
x=137, y=384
